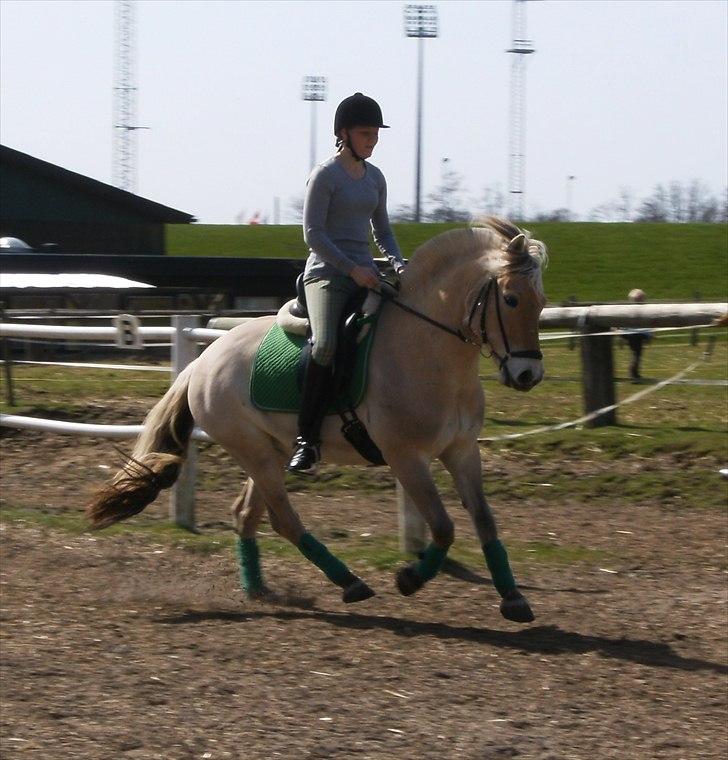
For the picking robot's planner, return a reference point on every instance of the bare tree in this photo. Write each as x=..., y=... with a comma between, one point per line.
x=654, y=208
x=295, y=206
x=447, y=204
x=402, y=213
x=625, y=204
x=493, y=201
x=676, y=196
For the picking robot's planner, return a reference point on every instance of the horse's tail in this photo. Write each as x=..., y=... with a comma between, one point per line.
x=154, y=463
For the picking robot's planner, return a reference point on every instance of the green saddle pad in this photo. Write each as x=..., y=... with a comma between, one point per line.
x=274, y=385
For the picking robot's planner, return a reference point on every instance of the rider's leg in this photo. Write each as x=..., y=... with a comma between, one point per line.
x=326, y=299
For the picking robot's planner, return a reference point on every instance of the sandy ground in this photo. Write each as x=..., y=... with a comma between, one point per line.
x=119, y=647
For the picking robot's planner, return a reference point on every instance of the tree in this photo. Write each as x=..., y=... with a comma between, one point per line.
x=403, y=213
x=655, y=208
x=681, y=203
x=557, y=215
x=493, y=201
x=295, y=206
x=446, y=200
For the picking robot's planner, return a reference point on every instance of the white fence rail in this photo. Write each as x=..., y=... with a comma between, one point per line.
x=185, y=335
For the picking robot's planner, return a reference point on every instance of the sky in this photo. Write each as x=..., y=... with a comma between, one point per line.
x=620, y=94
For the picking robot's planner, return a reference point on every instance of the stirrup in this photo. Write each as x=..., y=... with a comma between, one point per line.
x=304, y=458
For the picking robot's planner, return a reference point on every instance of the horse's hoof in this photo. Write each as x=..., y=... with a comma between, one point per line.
x=408, y=581
x=357, y=591
x=515, y=607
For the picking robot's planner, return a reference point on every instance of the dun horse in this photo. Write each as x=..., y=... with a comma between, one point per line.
x=464, y=291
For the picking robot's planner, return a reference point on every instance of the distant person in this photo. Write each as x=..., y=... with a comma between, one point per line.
x=346, y=197
x=636, y=339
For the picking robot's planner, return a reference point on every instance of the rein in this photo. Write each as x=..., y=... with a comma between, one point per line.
x=481, y=300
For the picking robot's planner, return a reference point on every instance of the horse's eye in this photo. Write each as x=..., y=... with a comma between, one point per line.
x=511, y=301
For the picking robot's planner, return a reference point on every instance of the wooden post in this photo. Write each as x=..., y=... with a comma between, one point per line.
x=413, y=532
x=597, y=367
x=182, y=499
x=7, y=364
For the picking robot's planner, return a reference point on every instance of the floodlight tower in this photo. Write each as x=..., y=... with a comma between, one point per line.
x=314, y=90
x=520, y=47
x=124, y=170
x=419, y=21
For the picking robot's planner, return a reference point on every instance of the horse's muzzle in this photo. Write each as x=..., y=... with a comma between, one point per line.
x=522, y=374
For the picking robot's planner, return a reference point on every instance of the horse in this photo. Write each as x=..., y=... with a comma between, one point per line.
x=464, y=291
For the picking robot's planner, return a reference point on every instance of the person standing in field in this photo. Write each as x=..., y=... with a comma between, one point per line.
x=636, y=339
x=346, y=198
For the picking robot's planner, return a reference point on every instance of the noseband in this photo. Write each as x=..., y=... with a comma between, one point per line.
x=480, y=301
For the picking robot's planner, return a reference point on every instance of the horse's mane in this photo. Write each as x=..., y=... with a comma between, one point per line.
x=488, y=239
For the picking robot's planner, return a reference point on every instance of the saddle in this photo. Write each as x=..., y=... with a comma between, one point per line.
x=357, y=320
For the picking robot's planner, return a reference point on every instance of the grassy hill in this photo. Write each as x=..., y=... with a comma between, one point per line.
x=593, y=262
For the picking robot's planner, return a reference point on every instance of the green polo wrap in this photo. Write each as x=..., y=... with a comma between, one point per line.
x=430, y=562
x=334, y=569
x=251, y=578
x=496, y=558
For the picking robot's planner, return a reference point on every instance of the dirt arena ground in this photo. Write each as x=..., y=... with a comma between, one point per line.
x=115, y=646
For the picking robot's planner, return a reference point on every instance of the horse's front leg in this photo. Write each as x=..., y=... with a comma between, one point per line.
x=416, y=479
x=463, y=463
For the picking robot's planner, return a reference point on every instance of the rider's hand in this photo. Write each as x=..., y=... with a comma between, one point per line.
x=365, y=277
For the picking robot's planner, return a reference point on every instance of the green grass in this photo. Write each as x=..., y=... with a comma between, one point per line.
x=667, y=446
x=590, y=261
x=381, y=552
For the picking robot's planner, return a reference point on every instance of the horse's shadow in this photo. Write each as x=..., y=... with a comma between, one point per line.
x=544, y=639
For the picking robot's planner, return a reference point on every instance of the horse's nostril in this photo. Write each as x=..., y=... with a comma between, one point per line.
x=525, y=377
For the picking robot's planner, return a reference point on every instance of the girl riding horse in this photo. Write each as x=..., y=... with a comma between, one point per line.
x=345, y=197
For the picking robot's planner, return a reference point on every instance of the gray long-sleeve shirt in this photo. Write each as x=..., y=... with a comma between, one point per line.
x=338, y=212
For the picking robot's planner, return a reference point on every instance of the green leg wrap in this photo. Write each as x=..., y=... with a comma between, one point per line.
x=334, y=569
x=429, y=566
x=497, y=561
x=251, y=578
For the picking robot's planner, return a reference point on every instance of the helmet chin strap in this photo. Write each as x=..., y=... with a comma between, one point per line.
x=348, y=144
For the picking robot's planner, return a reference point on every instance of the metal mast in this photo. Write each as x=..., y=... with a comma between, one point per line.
x=420, y=21
x=124, y=169
x=520, y=47
x=314, y=90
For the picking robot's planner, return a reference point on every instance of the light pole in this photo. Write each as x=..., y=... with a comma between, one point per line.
x=569, y=194
x=419, y=21
x=314, y=90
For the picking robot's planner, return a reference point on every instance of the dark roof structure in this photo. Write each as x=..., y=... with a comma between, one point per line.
x=41, y=202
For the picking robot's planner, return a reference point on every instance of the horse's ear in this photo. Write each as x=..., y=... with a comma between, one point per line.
x=517, y=246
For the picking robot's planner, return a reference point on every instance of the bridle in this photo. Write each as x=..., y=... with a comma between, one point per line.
x=480, y=301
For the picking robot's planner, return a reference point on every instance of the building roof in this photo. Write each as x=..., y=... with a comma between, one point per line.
x=88, y=186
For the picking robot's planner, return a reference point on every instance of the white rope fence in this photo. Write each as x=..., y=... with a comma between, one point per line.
x=598, y=412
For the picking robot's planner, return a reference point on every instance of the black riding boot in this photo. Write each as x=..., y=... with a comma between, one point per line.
x=314, y=398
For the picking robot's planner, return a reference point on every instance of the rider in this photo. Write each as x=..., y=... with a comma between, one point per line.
x=345, y=197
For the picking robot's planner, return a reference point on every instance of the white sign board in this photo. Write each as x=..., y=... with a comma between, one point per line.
x=127, y=331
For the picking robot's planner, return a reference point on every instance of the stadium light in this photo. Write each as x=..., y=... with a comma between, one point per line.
x=419, y=21
x=314, y=90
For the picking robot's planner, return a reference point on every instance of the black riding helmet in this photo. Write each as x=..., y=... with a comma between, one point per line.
x=357, y=111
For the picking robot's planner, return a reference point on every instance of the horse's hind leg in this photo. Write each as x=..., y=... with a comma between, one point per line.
x=463, y=463
x=247, y=512
x=269, y=489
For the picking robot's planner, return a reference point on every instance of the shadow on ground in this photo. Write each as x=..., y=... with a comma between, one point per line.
x=547, y=639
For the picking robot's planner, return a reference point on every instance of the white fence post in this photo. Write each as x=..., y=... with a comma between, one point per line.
x=413, y=532
x=182, y=499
